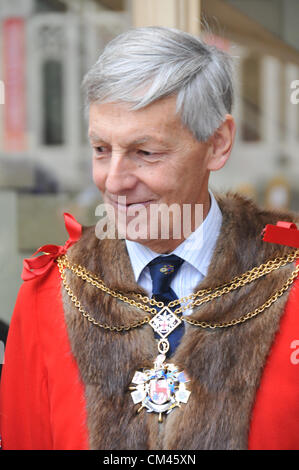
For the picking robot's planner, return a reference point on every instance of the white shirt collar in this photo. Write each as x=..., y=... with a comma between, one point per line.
x=196, y=250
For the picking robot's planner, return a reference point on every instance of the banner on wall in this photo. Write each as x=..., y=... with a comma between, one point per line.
x=14, y=113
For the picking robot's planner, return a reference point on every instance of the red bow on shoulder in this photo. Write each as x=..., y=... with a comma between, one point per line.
x=35, y=267
x=283, y=233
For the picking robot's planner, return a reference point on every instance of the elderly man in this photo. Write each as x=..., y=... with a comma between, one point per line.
x=146, y=341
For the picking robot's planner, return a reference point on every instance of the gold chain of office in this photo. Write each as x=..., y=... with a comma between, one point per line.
x=193, y=300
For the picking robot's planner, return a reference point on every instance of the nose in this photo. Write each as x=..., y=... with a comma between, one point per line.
x=121, y=174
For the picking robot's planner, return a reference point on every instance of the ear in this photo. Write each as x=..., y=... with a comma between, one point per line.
x=221, y=144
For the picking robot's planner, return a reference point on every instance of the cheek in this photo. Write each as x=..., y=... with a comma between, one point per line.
x=157, y=181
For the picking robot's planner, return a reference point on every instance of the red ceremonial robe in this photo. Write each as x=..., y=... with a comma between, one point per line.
x=42, y=397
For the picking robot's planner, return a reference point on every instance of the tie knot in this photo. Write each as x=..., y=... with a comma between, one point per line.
x=162, y=270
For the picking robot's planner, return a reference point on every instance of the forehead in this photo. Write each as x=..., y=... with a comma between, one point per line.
x=158, y=120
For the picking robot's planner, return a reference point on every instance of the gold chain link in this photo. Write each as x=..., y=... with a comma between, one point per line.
x=199, y=297
x=77, y=304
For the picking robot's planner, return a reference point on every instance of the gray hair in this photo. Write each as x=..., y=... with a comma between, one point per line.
x=144, y=65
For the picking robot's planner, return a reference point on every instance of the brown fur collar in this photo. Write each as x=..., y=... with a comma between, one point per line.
x=225, y=365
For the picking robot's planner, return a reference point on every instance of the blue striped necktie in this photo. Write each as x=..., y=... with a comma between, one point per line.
x=162, y=270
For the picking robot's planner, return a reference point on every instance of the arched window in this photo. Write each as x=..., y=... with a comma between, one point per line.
x=251, y=95
x=52, y=102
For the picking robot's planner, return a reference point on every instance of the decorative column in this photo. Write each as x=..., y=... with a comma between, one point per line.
x=238, y=108
x=180, y=14
x=271, y=101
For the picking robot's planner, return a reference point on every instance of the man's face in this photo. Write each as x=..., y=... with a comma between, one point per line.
x=149, y=157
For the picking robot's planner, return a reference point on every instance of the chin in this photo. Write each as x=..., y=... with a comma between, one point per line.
x=140, y=238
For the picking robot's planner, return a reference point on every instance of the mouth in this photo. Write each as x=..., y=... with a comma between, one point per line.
x=122, y=205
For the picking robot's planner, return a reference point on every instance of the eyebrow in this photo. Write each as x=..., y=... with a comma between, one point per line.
x=141, y=140
x=95, y=137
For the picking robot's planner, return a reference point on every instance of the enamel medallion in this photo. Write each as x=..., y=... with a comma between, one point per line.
x=160, y=389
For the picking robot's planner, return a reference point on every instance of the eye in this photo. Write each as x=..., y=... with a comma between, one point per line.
x=100, y=150
x=145, y=153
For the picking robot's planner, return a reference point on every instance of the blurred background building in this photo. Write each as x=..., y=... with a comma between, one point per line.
x=46, y=46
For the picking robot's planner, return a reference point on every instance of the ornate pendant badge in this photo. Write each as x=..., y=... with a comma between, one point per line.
x=161, y=389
